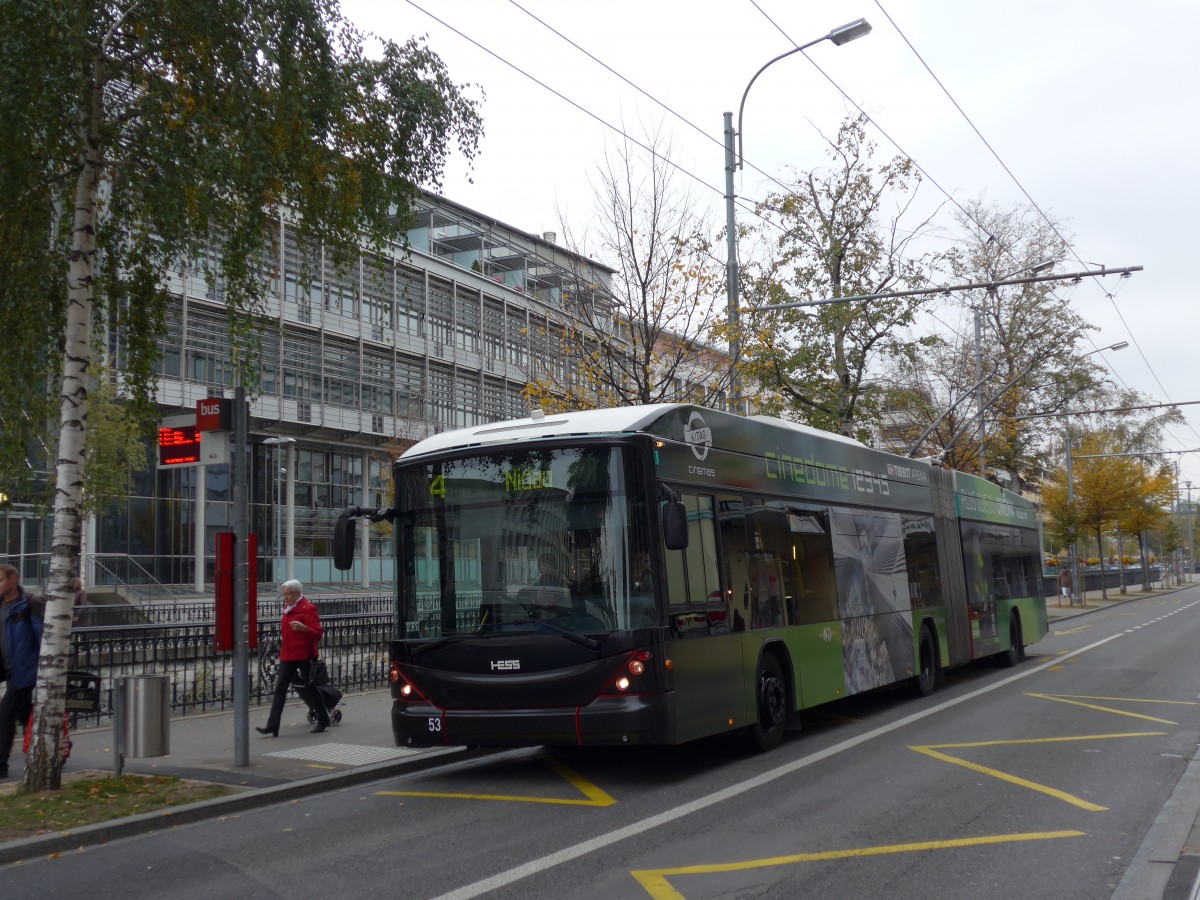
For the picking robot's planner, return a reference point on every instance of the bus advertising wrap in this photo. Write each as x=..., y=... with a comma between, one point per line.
x=715, y=448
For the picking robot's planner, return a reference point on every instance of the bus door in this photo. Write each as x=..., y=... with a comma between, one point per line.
x=705, y=654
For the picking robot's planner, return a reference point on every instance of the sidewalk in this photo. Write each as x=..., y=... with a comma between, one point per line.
x=202, y=745
x=296, y=764
x=1060, y=608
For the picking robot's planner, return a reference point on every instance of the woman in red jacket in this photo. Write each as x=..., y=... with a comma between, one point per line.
x=300, y=629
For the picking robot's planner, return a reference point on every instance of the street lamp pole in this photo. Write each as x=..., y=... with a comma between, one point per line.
x=1191, y=514
x=1073, y=553
x=843, y=35
x=731, y=267
x=289, y=500
x=979, y=389
x=1178, y=549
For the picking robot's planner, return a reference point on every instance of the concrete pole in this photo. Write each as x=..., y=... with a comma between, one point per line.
x=365, y=526
x=1192, y=544
x=1076, y=586
x=290, y=506
x=979, y=394
x=1121, y=559
x=198, y=539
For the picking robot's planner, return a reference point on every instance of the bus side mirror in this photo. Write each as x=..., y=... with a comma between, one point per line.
x=343, y=539
x=675, y=525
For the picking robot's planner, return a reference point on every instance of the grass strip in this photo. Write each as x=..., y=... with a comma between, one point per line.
x=91, y=797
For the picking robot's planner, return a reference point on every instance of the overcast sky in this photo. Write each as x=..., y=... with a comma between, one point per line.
x=1092, y=109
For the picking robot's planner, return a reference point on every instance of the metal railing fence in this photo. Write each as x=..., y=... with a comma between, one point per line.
x=354, y=648
x=184, y=612
x=118, y=570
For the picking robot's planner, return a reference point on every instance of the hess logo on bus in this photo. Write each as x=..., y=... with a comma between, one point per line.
x=506, y=665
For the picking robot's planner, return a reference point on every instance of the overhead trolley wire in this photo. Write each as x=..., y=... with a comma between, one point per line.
x=1021, y=187
x=740, y=202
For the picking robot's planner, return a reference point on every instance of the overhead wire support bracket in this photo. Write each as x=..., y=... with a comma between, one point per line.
x=1123, y=271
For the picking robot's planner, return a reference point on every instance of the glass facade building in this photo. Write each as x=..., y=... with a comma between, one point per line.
x=442, y=333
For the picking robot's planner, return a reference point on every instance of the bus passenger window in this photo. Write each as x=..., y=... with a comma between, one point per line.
x=812, y=550
x=920, y=559
x=692, y=573
x=768, y=532
x=736, y=553
x=702, y=550
x=676, y=579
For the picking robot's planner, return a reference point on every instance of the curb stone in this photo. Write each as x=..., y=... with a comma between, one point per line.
x=254, y=798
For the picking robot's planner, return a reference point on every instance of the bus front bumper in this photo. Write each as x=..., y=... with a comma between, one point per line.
x=631, y=720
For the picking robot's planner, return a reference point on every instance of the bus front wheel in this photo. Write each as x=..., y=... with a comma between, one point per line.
x=771, y=693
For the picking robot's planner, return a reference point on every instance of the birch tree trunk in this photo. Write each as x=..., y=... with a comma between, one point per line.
x=43, y=764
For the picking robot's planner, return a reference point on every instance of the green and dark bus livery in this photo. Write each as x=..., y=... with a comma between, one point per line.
x=658, y=574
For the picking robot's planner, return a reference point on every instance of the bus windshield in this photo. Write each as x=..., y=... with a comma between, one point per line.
x=537, y=540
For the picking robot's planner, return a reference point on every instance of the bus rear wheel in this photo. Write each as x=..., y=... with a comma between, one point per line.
x=1016, y=648
x=772, y=702
x=925, y=679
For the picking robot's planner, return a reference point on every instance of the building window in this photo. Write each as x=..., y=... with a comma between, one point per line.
x=341, y=375
x=301, y=365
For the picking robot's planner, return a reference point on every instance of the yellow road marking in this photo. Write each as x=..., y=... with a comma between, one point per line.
x=932, y=751
x=1046, y=740
x=656, y=885
x=1063, y=698
x=1073, y=630
x=595, y=796
x=1125, y=699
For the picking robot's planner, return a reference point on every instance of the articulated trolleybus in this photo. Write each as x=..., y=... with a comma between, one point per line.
x=658, y=574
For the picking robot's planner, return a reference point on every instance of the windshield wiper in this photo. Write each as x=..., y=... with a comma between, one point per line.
x=447, y=640
x=582, y=639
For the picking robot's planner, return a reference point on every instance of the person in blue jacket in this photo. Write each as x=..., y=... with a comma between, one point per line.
x=21, y=616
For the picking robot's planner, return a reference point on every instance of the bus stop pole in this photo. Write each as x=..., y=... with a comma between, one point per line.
x=241, y=560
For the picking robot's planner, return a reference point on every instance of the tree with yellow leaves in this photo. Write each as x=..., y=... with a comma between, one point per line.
x=1110, y=486
x=1149, y=509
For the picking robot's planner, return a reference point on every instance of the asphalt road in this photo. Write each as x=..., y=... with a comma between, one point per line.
x=1041, y=781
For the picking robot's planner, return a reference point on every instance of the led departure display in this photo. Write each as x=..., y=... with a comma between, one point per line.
x=179, y=446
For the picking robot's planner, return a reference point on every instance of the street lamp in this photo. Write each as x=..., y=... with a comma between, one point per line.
x=838, y=36
x=290, y=502
x=1040, y=266
x=1074, y=550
